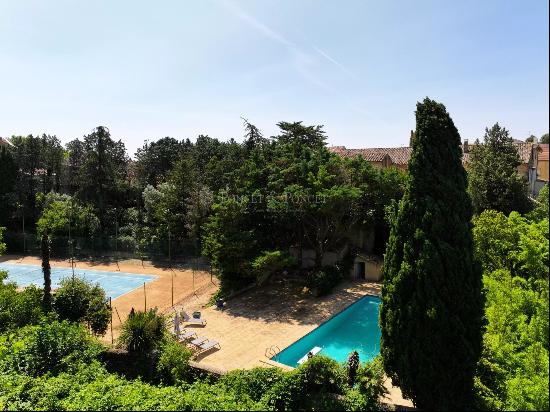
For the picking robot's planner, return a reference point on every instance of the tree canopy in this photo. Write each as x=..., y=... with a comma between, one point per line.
x=494, y=181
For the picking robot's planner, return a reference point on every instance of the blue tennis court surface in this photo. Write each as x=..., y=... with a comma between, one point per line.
x=115, y=284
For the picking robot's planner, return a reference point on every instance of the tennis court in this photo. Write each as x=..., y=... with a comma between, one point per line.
x=115, y=284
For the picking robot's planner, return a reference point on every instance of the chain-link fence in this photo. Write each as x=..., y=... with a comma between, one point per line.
x=122, y=247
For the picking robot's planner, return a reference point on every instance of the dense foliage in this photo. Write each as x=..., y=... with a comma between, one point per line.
x=494, y=181
x=18, y=308
x=78, y=300
x=142, y=332
x=58, y=366
x=432, y=291
x=513, y=371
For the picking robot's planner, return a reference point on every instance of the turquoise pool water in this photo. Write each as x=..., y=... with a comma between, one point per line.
x=115, y=284
x=355, y=328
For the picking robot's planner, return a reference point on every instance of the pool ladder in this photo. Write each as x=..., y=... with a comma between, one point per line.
x=271, y=351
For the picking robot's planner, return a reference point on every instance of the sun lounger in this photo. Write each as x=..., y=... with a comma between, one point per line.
x=195, y=321
x=199, y=341
x=186, y=335
x=209, y=345
x=313, y=352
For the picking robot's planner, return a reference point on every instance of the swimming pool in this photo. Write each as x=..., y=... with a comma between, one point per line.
x=115, y=284
x=355, y=328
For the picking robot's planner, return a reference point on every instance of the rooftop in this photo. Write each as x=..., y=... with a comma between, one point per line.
x=401, y=155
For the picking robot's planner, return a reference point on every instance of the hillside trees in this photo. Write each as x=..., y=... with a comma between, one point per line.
x=432, y=292
x=102, y=176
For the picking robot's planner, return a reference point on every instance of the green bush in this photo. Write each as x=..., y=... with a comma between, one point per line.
x=173, y=363
x=19, y=308
x=271, y=262
x=91, y=388
x=80, y=301
x=2, y=244
x=324, y=280
x=143, y=332
x=369, y=383
x=314, y=384
x=47, y=348
x=253, y=383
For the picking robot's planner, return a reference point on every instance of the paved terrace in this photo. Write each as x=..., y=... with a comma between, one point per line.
x=277, y=314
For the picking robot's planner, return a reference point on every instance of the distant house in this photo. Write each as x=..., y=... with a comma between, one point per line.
x=5, y=142
x=400, y=156
x=542, y=167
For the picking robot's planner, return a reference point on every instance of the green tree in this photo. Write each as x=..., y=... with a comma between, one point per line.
x=142, y=332
x=432, y=292
x=493, y=178
x=155, y=160
x=512, y=373
x=8, y=179
x=2, y=244
x=230, y=243
x=102, y=176
x=47, y=271
x=19, y=308
x=544, y=138
x=541, y=205
x=80, y=301
x=61, y=211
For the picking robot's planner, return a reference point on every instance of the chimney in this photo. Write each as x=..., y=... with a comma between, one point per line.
x=412, y=138
x=465, y=147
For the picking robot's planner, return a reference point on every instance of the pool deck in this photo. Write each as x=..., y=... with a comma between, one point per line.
x=260, y=319
x=278, y=314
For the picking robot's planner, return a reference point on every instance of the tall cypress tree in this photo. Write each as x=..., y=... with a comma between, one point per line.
x=432, y=302
x=47, y=271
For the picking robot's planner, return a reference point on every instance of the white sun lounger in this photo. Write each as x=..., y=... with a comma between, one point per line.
x=199, y=341
x=209, y=345
x=187, y=335
x=194, y=321
x=313, y=351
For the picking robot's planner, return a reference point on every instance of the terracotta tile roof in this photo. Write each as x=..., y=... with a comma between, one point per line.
x=401, y=155
x=543, y=154
x=398, y=155
x=5, y=142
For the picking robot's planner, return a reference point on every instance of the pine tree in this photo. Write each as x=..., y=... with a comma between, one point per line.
x=432, y=301
x=494, y=181
x=46, y=270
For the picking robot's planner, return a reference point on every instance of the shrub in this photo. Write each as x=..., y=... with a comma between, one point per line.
x=2, y=244
x=48, y=348
x=315, y=384
x=253, y=383
x=80, y=301
x=19, y=308
x=91, y=388
x=173, y=363
x=271, y=262
x=322, y=281
x=370, y=383
x=143, y=332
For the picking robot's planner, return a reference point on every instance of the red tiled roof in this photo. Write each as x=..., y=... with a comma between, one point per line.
x=5, y=142
x=401, y=155
x=398, y=155
x=543, y=154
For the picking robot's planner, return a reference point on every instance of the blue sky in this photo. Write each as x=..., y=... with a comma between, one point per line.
x=180, y=68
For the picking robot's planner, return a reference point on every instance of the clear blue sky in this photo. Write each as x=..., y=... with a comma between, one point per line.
x=180, y=68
